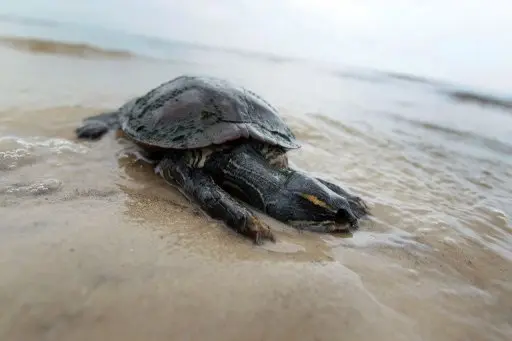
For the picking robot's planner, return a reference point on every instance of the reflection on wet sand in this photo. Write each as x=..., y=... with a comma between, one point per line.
x=162, y=203
x=135, y=262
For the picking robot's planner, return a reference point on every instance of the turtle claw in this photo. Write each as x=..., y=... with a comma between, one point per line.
x=259, y=231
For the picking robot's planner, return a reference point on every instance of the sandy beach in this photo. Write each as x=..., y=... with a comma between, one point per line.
x=95, y=246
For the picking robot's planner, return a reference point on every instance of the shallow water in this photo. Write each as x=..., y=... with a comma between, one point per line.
x=94, y=245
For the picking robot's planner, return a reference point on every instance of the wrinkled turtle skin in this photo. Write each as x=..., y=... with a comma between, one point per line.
x=225, y=147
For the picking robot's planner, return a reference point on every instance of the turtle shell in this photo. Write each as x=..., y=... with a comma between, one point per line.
x=194, y=112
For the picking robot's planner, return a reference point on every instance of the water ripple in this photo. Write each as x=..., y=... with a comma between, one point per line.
x=16, y=152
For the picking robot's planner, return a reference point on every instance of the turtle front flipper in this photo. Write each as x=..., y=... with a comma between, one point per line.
x=217, y=203
x=95, y=127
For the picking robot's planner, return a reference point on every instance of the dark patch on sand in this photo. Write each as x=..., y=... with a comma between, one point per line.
x=46, y=46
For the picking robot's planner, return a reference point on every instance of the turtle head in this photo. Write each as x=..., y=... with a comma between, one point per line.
x=305, y=201
x=285, y=194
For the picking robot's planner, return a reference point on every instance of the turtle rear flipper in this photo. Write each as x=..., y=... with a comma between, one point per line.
x=95, y=127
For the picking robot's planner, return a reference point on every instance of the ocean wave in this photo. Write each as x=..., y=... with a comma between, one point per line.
x=17, y=152
x=480, y=98
x=27, y=21
x=372, y=75
x=410, y=78
x=47, y=46
x=41, y=187
x=457, y=134
x=160, y=48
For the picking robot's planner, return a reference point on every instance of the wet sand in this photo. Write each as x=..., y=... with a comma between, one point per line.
x=94, y=246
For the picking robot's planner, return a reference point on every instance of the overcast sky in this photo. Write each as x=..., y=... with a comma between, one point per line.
x=468, y=40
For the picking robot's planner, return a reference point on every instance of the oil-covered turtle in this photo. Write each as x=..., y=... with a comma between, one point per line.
x=223, y=145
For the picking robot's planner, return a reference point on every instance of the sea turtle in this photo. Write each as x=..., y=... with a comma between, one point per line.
x=223, y=145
